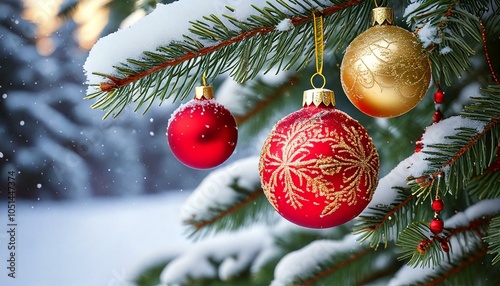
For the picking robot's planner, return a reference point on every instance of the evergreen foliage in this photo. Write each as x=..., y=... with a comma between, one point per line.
x=250, y=206
x=463, y=169
x=493, y=239
x=254, y=45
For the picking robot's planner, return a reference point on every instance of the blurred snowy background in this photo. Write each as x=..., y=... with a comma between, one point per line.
x=97, y=201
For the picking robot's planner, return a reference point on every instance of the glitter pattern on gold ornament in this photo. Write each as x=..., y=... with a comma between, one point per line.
x=385, y=71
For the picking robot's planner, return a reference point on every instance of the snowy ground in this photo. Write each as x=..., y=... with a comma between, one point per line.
x=92, y=242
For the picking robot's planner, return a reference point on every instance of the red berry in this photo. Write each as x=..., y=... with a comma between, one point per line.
x=423, y=245
x=436, y=225
x=437, y=116
x=439, y=96
x=437, y=205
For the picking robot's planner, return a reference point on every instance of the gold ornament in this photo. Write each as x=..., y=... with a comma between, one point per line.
x=385, y=71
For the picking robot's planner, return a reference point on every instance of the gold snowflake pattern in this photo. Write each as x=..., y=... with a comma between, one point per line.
x=357, y=163
x=353, y=161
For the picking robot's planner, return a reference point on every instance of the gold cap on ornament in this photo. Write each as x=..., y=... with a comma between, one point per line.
x=317, y=96
x=205, y=91
x=382, y=16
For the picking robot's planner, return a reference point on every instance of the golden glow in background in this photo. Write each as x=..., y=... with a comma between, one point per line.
x=91, y=17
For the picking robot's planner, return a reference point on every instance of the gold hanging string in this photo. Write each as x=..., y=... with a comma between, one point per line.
x=204, y=79
x=205, y=91
x=376, y=4
x=319, y=46
x=437, y=187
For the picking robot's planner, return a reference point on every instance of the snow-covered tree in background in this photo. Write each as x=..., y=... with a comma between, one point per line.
x=267, y=47
x=50, y=136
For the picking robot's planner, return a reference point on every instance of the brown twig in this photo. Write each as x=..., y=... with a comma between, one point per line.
x=488, y=60
x=391, y=212
x=338, y=266
x=461, y=151
x=201, y=224
x=457, y=268
x=262, y=104
x=115, y=82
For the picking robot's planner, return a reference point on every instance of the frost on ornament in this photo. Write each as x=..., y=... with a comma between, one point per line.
x=202, y=134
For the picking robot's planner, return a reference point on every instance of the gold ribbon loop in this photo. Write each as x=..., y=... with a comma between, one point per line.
x=318, y=41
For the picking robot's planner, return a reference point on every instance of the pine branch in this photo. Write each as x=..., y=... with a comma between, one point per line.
x=344, y=263
x=287, y=238
x=486, y=52
x=213, y=47
x=450, y=167
x=486, y=186
x=424, y=249
x=468, y=153
x=448, y=29
x=439, y=256
x=234, y=216
x=259, y=101
x=493, y=239
x=417, y=248
x=456, y=268
x=227, y=200
x=384, y=223
x=327, y=262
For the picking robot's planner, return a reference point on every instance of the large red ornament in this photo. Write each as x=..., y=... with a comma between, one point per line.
x=202, y=134
x=318, y=166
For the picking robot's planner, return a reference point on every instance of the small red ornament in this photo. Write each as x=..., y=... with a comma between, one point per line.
x=437, y=116
x=202, y=134
x=439, y=97
x=318, y=166
x=436, y=225
x=437, y=205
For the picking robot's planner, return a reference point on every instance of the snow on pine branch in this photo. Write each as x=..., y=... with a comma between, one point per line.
x=311, y=262
x=170, y=23
x=460, y=249
x=228, y=255
x=448, y=30
x=167, y=23
x=222, y=257
x=227, y=199
x=179, y=42
x=416, y=165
